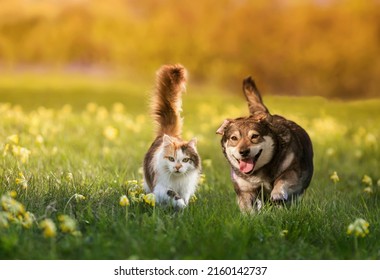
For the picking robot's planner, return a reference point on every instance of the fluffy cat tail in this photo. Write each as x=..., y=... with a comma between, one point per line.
x=167, y=99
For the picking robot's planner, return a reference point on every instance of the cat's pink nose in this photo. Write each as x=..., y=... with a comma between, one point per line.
x=178, y=167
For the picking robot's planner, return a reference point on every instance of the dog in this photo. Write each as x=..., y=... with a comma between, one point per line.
x=271, y=158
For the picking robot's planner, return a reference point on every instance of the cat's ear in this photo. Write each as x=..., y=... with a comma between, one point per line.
x=167, y=140
x=223, y=127
x=193, y=143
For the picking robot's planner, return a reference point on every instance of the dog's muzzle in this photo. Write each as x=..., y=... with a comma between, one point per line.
x=247, y=165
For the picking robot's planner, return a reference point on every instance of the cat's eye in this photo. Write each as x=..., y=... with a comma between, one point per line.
x=186, y=159
x=171, y=159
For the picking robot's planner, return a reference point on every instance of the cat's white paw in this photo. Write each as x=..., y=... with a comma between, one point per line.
x=179, y=203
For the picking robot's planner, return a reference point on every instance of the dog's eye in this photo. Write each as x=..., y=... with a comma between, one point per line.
x=255, y=136
x=171, y=159
x=234, y=138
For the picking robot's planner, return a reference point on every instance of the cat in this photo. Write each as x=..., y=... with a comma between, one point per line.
x=172, y=166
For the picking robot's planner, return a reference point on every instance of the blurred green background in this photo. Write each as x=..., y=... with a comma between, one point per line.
x=327, y=48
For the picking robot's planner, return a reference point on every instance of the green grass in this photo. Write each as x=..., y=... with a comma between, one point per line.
x=345, y=137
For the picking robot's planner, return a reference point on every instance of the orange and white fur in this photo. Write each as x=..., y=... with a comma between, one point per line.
x=172, y=166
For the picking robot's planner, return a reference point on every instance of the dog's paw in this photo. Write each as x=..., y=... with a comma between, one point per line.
x=279, y=196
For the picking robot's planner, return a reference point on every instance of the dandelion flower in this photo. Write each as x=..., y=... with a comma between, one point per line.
x=330, y=152
x=135, y=190
x=13, y=138
x=118, y=107
x=91, y=107
x=150, y=199
x=110, y=133
x=13, y=194
x=12, y=206
x=22, y=181
x=66, y=109
x=69, y=176
x=334, y=177
x=54, y=150
x=358, y=154
x=141, y=171
x=358, y=228
x=124, y=201
x=367, y=180
x=49, y=228
x=28, y=220
x=193, y=198
x=78, y=197
x=4, y=220
x=21, y=153
x=202, y=179
x=6, y=149
x=368, y=190
x=39, y=139
x=67, y=224
x=370, y=139
x=207, y=162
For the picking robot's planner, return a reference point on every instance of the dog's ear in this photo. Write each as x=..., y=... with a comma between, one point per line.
x=253, y=96
x=222, y=128
x=261, y=116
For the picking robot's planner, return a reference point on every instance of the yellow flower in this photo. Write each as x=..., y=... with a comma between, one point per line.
x=39, y=139
x=207, y=162
x=69, y=176
x=202, y=179
x=78, y=197
x=91, y=107
x=284, y=233
x=334, y=177
x=330, y=152
x=358, y=228
x=49, y=228
x=28, y=220
x=12, y=206
x=367, y=180
x=13, y=194
x=22, y=181
x=150, y=199
x=118, y=107
x=67, y=224
x=13, y=138
x=193, y=198
x=124, y=201
x=110, y=133
x=368, y=190
x=6, y=149
x=4, y=220
x=370, y=139
x=135, y=190
x=21, y=152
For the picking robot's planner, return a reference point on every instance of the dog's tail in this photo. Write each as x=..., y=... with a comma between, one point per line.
x=253, y=96
x=167, y=100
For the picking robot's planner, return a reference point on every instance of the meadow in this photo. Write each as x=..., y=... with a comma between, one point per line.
x=70, y=177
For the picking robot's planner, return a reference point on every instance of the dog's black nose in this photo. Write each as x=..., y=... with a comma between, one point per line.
x=244, y=152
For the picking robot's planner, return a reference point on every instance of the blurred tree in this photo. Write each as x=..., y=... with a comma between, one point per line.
x=309, y=47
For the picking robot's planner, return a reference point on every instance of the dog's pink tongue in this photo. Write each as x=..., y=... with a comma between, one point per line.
x=246, y=165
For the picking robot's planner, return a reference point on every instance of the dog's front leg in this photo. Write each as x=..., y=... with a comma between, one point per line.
x=286, y=186
x=247, y=202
